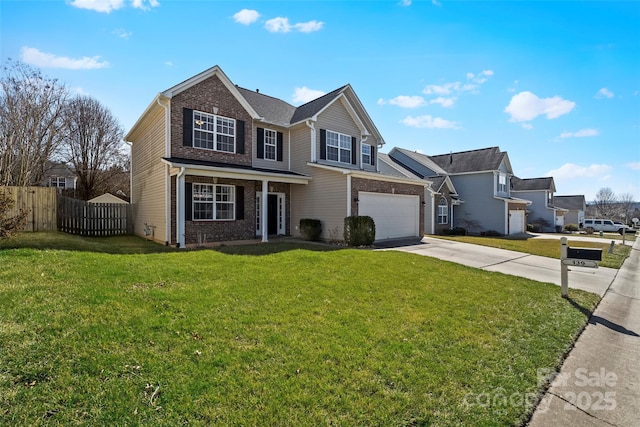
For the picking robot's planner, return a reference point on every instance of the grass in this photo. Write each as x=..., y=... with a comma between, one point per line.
x=547, y=247
x=283, y=334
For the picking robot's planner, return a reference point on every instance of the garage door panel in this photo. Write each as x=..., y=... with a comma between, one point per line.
x=395, y=215
x=516, y=221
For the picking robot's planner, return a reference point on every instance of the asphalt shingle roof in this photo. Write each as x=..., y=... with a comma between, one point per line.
x=483, y=159
x=312, y=108
x=273, y=110
x=531, y=184
x=574, y=203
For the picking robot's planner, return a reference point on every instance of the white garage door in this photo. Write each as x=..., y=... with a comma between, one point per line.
x=516, y=222
x=395, y=215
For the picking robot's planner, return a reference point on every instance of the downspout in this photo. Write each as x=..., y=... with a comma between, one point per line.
x=313, y=140
x=167, y=177
x=180, y=208
x=289, y=150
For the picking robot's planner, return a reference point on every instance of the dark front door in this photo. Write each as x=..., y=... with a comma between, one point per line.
x=272, y=214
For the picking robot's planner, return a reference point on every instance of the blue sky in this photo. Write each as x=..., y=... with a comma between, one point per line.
x=555, y=84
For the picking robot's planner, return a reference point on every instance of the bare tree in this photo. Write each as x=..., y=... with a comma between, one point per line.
x=93, y=145
x=605, y=203
x=625, y=202
x=31, y=107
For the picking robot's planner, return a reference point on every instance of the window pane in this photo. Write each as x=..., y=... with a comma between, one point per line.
x=224, y=210
x=332, y=153
x=345, y=156
x=225, y=143
x=332, y=139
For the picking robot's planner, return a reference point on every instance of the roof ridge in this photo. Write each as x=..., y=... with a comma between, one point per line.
x=468, y=151
x=265, y=95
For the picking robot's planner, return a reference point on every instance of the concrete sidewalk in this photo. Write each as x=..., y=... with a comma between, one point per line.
x=534, y=267
x=599, y=383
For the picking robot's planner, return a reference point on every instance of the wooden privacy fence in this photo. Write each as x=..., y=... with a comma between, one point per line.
x=93, y=219
x=39, y=202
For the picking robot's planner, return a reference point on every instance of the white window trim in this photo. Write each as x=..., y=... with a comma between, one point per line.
x=338, y=147
x=57, y=180
x=214, y=132
x=446, y=211
x=282, y=225
x=502, y=187
x=214, y=202
x=362, y=154
x=275, y=144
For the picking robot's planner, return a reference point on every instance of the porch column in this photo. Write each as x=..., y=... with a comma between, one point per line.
x=451, y=220
x=348, y=195
x=265, y=213
x=180, y=209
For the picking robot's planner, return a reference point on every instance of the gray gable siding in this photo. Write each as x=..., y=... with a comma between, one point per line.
x=538, y=208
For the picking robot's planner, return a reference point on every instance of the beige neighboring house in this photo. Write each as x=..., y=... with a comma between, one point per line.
x=211, y=161
x=108, y=198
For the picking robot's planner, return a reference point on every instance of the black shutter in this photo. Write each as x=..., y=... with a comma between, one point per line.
x=373, y=155
x=354, y=150
x=239, y=202
x=187, y=127
x=260, y=148
x=188, y=202
x=279, y=147
x=323, y=144
x=240, y=136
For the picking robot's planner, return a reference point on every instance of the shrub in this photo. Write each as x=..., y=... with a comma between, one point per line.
x=456, y=231
x=311, y=229
x=359, y=230
x=530, y=227
x=571, y=227
x=8, y=226
x=491, y=233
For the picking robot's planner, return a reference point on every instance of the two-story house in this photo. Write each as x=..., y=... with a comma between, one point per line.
x=480, y=184
x=542, y=213
x=60, y=176
x=212, y=161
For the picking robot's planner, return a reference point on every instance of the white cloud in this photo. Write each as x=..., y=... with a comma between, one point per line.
x=526, y=106
x=444, y=89
x=571, y=171
x=635, y=166
x=103, y=6
x=122, y=33
x=604, y=93
x=246, y=16
x=430, y=122
x=580, y=134
x=445, y=102
x=282, y=25
x=474, y=81
x=168, y=63
x=436, y=3
x=527, y=126
x=408, y=101
x=405, y=2
x=79, y=91
x=142, y=4
x=33, y=56
x=304, y=94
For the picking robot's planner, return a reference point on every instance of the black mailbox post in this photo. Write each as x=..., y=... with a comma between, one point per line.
x=584, y=253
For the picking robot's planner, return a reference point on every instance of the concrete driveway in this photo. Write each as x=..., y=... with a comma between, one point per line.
x=542, y=269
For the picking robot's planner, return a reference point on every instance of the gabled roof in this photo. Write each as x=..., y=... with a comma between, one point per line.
x=532, y=184
x=421, y=158
x=481, y=160
x=574, y=203
x=387, y=166
x=272, y=110
x=310, y=109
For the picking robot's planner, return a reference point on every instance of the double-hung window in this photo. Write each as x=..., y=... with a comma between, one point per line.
x=366, y=154
x=213, y=132
x=213, y=202
x=443, y=211
x=338, y=147
x=502, y=183
x=57, y=181
x=270, y=144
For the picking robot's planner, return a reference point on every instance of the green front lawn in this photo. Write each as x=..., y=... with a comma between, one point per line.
x=547, y=247
x=293, y=337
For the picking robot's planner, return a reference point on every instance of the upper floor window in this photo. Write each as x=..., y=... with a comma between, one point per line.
x=443, y=211
x=502, y=182
x=213, y=202
x=338, y=147
x=213, y=132
x=366, y=154
x=270, y=144
x=57, y=181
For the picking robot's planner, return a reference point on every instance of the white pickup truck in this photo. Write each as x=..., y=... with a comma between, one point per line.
x=607, y=225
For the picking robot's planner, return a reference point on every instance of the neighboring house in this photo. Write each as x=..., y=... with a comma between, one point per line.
x=479, y=189
x=576, y=207
x=108, y=198
x=211, y=161
x=542, y=213
x=60, y=176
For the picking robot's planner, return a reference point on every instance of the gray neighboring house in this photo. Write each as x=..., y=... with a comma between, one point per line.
x=543, y=212
x=480, y=180
x=576, y=207
x=60, y=176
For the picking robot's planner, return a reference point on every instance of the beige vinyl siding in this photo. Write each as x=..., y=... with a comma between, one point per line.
x=336, y=118
x=301, y=148
x=271, y=164
x=324, y=198
x=148, y=176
